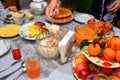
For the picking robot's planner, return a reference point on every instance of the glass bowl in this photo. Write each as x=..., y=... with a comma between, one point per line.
x=48, y=47
x=84, y=33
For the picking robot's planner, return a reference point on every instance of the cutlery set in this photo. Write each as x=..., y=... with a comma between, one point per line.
x=10, y=65
x=14, y=67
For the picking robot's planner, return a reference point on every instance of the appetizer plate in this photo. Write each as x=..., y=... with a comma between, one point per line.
x=24, y=32
x=4, y=47
x=9, y=31
x=100, y=61
x=9, y=15
x=62, y=21
x=82, y=17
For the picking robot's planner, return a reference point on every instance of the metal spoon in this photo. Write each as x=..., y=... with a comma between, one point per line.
x=23, y=70
x=52, y=20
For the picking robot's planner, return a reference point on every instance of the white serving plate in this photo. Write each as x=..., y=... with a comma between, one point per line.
x=24, y=29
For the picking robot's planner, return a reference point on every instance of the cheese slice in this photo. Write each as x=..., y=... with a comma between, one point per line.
x=63, y=45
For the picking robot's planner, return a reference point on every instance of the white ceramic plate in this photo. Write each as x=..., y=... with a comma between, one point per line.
x=4, y=47
x=23, y=32
x=8, y=13
x=82, y=17
x=61, y=22
x=99, y=61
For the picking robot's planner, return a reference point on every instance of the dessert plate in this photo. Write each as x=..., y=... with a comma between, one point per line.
x=82, y=17
x=4, y=47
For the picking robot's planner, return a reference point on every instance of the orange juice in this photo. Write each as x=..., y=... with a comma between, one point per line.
x=33, y=69
x=84, y=33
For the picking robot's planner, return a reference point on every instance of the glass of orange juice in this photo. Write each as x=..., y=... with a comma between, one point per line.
x=33, y=66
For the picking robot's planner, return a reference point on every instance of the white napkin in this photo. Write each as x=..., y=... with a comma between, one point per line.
x=11, y=69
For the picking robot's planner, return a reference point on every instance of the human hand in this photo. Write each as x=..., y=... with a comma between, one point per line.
x=114, y=6
x=52, y=8
x=12, y=8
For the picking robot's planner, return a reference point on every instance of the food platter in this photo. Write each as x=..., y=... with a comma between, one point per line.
x=62, y=21
x=92, y=70
x=82, y=17
x=100, y=61
x=4, y=47
x=24, y=31
x=9, y=31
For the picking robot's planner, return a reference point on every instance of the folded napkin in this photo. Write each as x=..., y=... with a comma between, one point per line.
x=11, y=70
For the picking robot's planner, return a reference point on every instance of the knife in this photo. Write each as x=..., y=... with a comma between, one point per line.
x=10, y=65
x=11, y=70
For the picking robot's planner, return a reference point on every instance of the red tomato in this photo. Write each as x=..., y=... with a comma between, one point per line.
x=83, y=74
x=106, y=70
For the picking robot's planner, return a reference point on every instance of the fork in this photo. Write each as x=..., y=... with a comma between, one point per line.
x=52, y=20
x=10, y=65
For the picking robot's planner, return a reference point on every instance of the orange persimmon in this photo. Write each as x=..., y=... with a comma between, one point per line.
x=117, y=55
x=115, y=43
x=109, y=53
x=94, y=49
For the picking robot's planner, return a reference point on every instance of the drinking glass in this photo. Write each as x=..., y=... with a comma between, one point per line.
x=33, y=66
x=16, y=54
x=110, y=15
x=18, y=18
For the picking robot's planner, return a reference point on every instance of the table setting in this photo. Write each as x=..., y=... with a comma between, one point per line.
x=51, y=49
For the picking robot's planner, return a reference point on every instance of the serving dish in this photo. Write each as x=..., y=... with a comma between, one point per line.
x=24, y=31
x=9, y=31
x=62, y=20
x=4, y=47
x=83, y=69
x=82, y=17
x=100, y=61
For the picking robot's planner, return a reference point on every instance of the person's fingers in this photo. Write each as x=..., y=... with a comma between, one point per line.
x=115, y=10
x=48, y=13
x=114, y=7
x=13, y=8
x=57, y=11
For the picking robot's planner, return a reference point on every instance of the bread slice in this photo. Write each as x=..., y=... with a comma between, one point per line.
x=28, y=15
